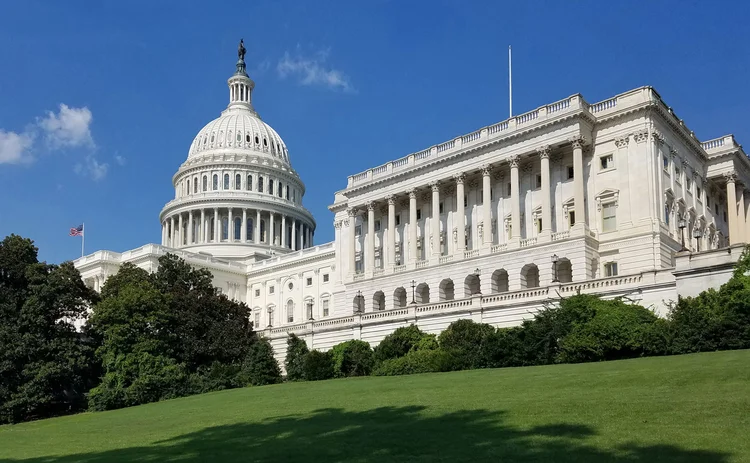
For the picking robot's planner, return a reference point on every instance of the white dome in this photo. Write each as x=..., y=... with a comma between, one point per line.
x=238, y=130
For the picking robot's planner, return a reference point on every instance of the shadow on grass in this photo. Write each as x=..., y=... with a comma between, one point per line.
x=387, y=434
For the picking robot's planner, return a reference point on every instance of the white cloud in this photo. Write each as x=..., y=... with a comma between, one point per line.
x=15, y=148
x=70, y=127
x=311, y=70
x=121, y=161
x=90, y=167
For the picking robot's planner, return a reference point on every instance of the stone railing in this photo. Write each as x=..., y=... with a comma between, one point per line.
x=563, y=235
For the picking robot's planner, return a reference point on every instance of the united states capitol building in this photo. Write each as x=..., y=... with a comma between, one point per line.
x=617, y=198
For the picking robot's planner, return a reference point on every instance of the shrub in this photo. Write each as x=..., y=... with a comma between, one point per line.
x=616, y=331
x=260, y=367
x=296, y=349
x=419, y=361
x=352, y=358
x=470, y=342
x=402, y=341
x=317, y=365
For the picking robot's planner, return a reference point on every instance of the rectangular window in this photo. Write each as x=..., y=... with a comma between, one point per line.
x=538, y=179
x=325, y=278
x=508, y=189
x=270, y=318
x=539, y=225
x=610, y=269
x=257, y=293
x=398, y=219
x=270, y=186
x=442, y=207
x=688, y=183
x=358, y=230
x=609, y=217
x=698, y=192
x=607, y=162
x=308, y=281
x=571, y=218
x=492, y=194
x=466, y=201
x=571, y=173
x=666, y=215
x=676, y=173
x=358, y=264
x=270, y=290
x=325, y=307
x=419, y=214
x=665, y=162
x=257, y=320
x=377, y=225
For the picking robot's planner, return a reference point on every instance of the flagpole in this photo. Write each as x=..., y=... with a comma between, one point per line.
x=83, y=237
x=510, y=84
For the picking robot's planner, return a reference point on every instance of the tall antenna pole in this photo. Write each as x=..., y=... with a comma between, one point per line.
x=510, y=83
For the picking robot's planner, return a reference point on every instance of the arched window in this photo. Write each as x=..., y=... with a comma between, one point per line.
x=238, y=228
x=290, y=311
x=287, y=192
x=249, y=182
x=499, y=281
x=216, y=182
x=472, y=285
x=212, y=229
x=226, y=181
x=378, y=301
x=423, y=294
x=281, y=190
x=260, y=184
x=262, y=231
x=195, y=185
x=399, y=298
x=447, y=290
x=529, y=276
x=205, y=182
x=238, y=182
x=224, y=228
x=188, y=188
x=249, y=232
x=270, y=186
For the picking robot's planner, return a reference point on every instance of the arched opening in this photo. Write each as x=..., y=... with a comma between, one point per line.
x=212, y=229
x=195, y=185
x=249, y=183
x=215, y=182
x=205, y=183
x=188, y=186
x=564, y=270
x=238, y=182
x=447, y=290
x=260, y=184
x=378, y=301
x=529, y=276
x=358, y=304
x=472, y=285
x=224, y=228
x=280, y=190
x=262, y=231
x=423, y=294
x=499, y=281
x=290, y=311
x=270, y=186
x=399, y=298
x=238, y=228
x=226, y=181
x=249, y=233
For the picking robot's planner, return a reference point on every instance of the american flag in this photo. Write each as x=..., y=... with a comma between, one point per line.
x=77, y=231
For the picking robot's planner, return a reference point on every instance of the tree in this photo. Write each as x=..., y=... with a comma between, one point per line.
x=402, y=341
x=318, y=366
x=45, y=363
x=352, y=358
x=296, y=351
x=260, y=367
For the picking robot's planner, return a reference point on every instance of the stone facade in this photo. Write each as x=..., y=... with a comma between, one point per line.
x=614, y=198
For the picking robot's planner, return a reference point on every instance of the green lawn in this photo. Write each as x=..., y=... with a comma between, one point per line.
x=692, y=408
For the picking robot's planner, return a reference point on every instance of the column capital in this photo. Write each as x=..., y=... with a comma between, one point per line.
x=435, y=186
x=622, y=142
x=486, y=170
x=351, y=212
x=577, y=141
x=459, y=178
x=544, y=151
x=391, y=200
x=730, y=177
x=412, y=193
x=514, y=160
x=370, y=206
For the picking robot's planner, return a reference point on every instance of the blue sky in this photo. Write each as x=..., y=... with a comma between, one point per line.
x=99, y=101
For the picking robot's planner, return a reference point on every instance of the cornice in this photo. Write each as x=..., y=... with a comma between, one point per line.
x=293, y=263
x=222, y=202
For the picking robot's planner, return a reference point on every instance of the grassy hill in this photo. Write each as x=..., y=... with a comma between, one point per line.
x=692, y=408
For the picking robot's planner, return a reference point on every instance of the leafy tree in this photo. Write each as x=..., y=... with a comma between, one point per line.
x=45, y=363
x=402, y=341
x=352, y=358
x=318, y=365
x=296, y=350
x=469, y=341
x=260, y=367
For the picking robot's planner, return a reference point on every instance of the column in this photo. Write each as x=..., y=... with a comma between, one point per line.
x=435, y=222
x=163, y=233
x=371, y=235
x=487, y=205
x=515, y=199
x=578, y=191
x=352, y=248
x=180, y=234
x=172, y=233
x=217, y=226
x=283, y=231
x=243, y=227
x=412, y=225
x=190, y=227
x=202, y=237
x=271, y=235
x=302, y=239
x=294, y=234
x=256, y=235
x=391, y=230
x=460, y=219
x=544, y=153
x=741, y=231
x=230, y=223
x=731, y=178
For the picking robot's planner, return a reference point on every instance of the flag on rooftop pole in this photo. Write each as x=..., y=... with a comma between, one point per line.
x=78, y=231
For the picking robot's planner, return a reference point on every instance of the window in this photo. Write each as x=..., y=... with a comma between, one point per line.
x=538, y=181
x=610, y=269
x=224, y=228
x=676, y=173
x=238, y=228
x=270, y=316
x=188, y=186
x=419, y=213
x=492, y=194
x=666, y=215
x=398, y=219
x=249, y=182
x=260, y=184
x=289, y=311
x=571, y=218
x=607, y=162
x=216, y=182
x=325, y=278
x=270, y=289
x=571, y=172
x=287, y=192
x=280, y=191
x=270, y=186
x=688, y=183
x=508, y=189
x=377, y=225
x=325, y=307
x=609, y=218
x=480, y=197
x=257, y=320
x=238, y=182
x=716, y=208
x=698, y=192
x=358, y=230
x=539, y=225
x=226, y=181
x=205, y=183
x=308, y=282
x=665, y=162
x=466, y=202
x=195, y=185
x=257, y=293
x=441, y=207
